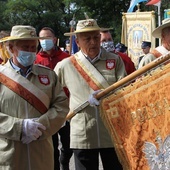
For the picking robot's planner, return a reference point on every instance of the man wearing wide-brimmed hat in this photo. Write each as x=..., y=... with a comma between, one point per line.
x=33, y=106
x=85, y=73
x=162, y=32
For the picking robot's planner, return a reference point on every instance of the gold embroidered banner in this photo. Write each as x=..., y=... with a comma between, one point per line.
x=137, y=27
x=136, y=114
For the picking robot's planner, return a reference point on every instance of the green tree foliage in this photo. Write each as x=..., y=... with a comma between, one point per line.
x=3, y=23
x=38, y=13
x=57, y=14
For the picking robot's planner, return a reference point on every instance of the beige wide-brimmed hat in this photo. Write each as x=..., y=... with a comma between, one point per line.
x=85, y=26
x=22, y=32
x=105, y=29
x=4, y=39
x=158, y=31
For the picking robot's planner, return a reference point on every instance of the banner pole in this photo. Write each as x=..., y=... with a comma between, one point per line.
x=122, y=82
x=72, y=23
x=159, y=20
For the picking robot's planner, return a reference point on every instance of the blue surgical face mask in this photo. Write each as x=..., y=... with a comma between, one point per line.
x=109, y=46
x=26, y=58
x=47, y=44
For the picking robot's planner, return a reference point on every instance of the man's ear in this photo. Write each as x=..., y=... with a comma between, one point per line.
x=11, y=48
x=77, y=42
x=56, y=41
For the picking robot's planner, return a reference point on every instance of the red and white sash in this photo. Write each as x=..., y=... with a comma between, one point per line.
x=24, y=88
x=92, y=76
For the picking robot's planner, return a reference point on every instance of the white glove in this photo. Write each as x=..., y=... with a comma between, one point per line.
x=30, y=130
x=26, y=139
x=92, y=100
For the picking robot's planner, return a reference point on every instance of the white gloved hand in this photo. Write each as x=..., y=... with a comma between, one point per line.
x=30, y=129
x=26, y=139
x=92, y=100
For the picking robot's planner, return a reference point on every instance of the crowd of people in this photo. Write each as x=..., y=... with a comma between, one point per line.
x=38, y=89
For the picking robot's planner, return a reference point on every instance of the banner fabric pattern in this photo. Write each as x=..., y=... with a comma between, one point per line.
x=138, y=113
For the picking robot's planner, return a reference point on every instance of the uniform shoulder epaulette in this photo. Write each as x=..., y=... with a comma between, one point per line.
x=39, y=65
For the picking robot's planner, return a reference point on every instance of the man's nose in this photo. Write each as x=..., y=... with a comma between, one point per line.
x=92, y=40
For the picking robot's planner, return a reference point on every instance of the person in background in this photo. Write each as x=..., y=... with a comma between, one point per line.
x=121, y=48
x=49, y=55
x=145, y=46
x=4, y=53
x=106, y=40
x=67, y=46
x=162, y=32
x=147, y=57
x=90, y=69
x=33, y=105
x=107, y=43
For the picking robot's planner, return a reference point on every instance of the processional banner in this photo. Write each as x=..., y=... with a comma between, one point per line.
x=138, y=119
x=137, y=27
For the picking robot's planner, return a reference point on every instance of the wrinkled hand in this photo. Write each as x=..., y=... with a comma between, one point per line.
x=31, y=130
x=92, y=100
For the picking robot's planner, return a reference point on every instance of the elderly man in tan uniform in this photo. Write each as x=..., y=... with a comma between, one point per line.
x=86, y=72
x=162, y=32
x=33, y=106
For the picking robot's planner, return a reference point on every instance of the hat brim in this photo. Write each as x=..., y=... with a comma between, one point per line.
x=3, y=39
x=10, y=38
x=158, y=31
x=105, y=29
x=81, y=31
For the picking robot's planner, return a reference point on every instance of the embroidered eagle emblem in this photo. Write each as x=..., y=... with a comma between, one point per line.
x=158, y=159
x=44, y=79
x=88, y=23
x=110, y=64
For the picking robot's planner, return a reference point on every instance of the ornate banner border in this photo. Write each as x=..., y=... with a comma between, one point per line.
x=137, y=114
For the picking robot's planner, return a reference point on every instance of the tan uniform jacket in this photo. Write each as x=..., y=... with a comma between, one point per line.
x=87, y=128
x=146, y=60
x=38, y=155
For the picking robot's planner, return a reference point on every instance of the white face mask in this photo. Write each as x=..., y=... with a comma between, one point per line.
x=47, y=44
x=109, y=46
x=26, y=58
